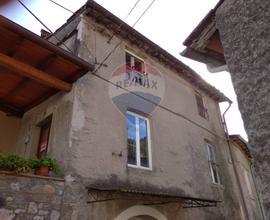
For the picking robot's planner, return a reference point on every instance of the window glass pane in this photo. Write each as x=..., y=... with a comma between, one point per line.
x=200, y=105
x=248, y=182
x=211, y=153
x=44, y=139
x=128, y=61
x=143, y=143
x=138, y=65
x=215, y=174
x=131, y=130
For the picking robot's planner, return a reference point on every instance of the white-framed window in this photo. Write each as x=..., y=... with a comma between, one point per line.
x=135, y=69
x=213, y=165
x=138, y=141
x=202, y=110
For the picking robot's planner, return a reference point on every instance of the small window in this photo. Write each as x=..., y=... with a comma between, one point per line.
x=213, y=165
x=200, y=105
x=248, y=184
x=135, y=70
x=138, y=141
x=44, y=135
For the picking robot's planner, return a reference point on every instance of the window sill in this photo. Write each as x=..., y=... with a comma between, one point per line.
x=218, y=185
x=139, y=167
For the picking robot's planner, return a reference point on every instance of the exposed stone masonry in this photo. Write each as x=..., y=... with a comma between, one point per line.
x=245, y=35
x=30, y=198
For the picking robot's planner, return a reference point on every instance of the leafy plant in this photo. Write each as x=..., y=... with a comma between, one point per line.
x=19, y=164
x=47, y=161
x=33, y=162
x=2, y=162
x=14, y=163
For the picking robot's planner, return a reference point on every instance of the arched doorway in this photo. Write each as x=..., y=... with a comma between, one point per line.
x=142, y=217
x=140, y=212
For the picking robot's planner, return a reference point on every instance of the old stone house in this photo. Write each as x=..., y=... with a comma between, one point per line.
x=141, y=133
x=242, y=159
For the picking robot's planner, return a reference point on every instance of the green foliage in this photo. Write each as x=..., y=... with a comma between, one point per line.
x=21, y=165
x=14, y=163
x=53, y=164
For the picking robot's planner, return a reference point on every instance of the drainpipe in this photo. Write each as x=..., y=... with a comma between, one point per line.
x=234, y=164
x=257, y=192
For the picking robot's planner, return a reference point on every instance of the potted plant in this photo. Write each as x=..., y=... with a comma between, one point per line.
x=14, y=163
x=2, y=163
x=43, y=165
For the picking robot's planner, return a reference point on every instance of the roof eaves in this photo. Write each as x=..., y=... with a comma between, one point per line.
x=44, y=43
x=202, y=25
x=243, y=144
x=130, y=33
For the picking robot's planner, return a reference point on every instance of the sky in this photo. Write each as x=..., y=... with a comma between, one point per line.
x=167, y=23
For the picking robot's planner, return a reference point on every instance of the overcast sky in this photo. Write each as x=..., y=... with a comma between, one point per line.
x=167, y=23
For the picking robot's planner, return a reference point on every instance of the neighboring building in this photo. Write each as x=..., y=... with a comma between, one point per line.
x=142, y=136
x=235, y=36
x=244, y=170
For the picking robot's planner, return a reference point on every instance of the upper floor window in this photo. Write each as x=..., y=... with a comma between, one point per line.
x=138, y=142
x=200, y=105
x=136, y=70
x=44, y=135
x=248, y=182
x=213, y=165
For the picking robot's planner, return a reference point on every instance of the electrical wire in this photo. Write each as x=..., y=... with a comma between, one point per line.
x=94, y=73
x=119, y=27
x=158, y=105
x=131, y=10
x=149, y=6
x=61, y=6
x=43, y=25
x=120, y=42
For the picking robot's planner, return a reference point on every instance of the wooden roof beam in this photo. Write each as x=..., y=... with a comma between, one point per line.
x=10, y=110
x=33, y=73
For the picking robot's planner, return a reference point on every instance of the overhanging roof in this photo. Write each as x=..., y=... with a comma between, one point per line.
x=32, y=69
x=203, y=44
x=110, y=21
x=241, y=143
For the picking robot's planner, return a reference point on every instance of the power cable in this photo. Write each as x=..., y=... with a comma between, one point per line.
x=120, y=42
x=61, y=6
x=119, y=27
x=131, y=10
x=142, y=97
x=43, y=24
x=149, y=6
x=158, y=105
x=109, y=54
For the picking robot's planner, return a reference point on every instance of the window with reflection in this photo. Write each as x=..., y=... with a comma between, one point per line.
x=44, y=135
x=138, y=141
x=214, y=168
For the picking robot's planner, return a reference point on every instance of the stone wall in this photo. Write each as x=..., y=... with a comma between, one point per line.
x=245, y=35
x=30, y=197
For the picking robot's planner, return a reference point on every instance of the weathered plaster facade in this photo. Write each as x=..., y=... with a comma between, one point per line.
x=89, y=133
x=244, y=31
x=244, y=166
x=9, y=128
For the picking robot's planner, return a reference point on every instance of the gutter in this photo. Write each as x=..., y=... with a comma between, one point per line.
x=213, y=69
x=234, y=164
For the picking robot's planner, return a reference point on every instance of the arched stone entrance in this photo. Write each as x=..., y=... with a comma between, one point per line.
x=140, y=212
x=143, y=217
